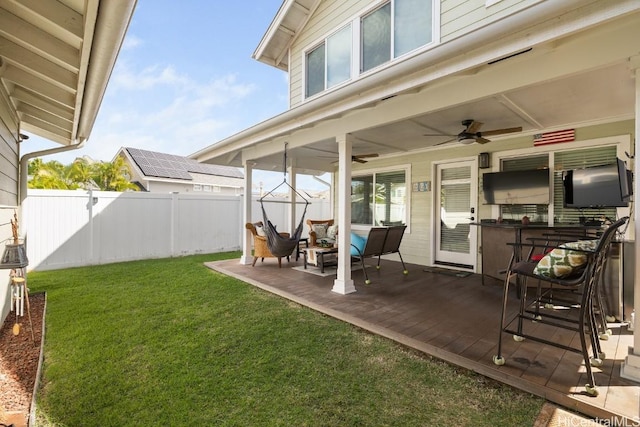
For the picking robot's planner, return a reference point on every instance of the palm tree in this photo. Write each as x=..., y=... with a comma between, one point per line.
x=107, y=176
x=81, y=172
x=113, y=176
x=48, y=175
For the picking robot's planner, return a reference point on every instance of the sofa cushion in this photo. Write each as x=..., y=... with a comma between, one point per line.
x=332, y=232
x=359, y=242
x=563, y=262
x=260, y=230
x=320, y=230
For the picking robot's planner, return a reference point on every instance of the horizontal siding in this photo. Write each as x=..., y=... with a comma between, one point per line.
x=459, y=17
x=8, y=155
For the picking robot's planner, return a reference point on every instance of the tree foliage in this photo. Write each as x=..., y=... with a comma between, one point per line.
x=105, y=176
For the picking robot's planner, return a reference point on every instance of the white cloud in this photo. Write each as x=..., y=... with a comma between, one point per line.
x=125, y=78
x=132, y=42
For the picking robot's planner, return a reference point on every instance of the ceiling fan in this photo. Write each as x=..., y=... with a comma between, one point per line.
x=472, y=133
x=360, y=158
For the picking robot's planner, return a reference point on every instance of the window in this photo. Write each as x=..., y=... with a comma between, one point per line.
x=329, y=63
x=379, y=198
x=412, y=25
x=394, y=29
x=206, y=188
x=388, y=32
x=197, y=187
x=560, y=160
x=376, y=38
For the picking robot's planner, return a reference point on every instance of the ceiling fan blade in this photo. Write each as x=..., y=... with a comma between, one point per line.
x=445, y=142
x=501, y=131
x=474, y=127
x=357, y=159
x=481, y=140
x=360, y=156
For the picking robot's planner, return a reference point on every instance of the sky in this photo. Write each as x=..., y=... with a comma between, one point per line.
x=185, y=79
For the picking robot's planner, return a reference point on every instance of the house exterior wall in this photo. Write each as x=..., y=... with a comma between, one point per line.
x=417, y=244
x=457, y=18
x=8, y=152
x=188, y=187
x=8, y=187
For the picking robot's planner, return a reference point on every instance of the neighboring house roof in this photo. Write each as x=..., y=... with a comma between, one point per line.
x=285, y=27
x=56, y=58
x=153, y=164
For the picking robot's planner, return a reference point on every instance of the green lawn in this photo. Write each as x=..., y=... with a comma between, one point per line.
x=168, y=342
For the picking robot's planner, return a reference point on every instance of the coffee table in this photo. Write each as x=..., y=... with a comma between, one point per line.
x=316, y=256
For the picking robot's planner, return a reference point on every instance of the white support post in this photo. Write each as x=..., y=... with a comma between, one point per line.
x=343, y=284
x=247, y=258
x=292, y=196
x=630, y=368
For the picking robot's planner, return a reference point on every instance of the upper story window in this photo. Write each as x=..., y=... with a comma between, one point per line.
x=394, y=29
x=329, y=63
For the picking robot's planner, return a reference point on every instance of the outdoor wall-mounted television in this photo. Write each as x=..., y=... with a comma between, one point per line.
x=524, y=187
x=598, y=187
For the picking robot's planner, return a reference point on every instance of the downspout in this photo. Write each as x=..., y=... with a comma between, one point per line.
x=23, y=172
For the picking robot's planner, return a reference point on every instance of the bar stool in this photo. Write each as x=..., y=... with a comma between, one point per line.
x=585, y=279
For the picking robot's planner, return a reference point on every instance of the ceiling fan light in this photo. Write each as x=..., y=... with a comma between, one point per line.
x=466, y=140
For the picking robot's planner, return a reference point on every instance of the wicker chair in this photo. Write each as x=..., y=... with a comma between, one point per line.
x=312, y=234
x=260, y=248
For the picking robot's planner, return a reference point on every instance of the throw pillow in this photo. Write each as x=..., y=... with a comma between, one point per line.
x=563, y=262
x=357, y=244
x=320, y=230
x=332, y=232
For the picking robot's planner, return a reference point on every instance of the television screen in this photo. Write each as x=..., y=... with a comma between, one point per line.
x=526, y=187
x=598, y=186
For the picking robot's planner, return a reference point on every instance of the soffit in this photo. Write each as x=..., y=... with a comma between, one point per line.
x=55, y=61
x=285, y=27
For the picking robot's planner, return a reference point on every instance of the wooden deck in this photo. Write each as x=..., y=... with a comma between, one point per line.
x=457, y=319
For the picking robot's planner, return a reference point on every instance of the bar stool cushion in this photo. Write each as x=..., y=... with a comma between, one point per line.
x=564, y=262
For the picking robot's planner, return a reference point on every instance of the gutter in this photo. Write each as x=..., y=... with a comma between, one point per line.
x=294, y=118
x=23, y=172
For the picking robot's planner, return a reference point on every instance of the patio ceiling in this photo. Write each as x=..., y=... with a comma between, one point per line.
x=55, y=61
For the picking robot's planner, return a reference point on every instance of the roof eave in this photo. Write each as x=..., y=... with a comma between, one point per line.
x=98, y=60
x=268, y=51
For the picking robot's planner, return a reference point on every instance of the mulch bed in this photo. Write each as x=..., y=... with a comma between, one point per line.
x=19, y=358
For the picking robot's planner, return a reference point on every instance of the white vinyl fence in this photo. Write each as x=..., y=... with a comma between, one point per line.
x=78, y=228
